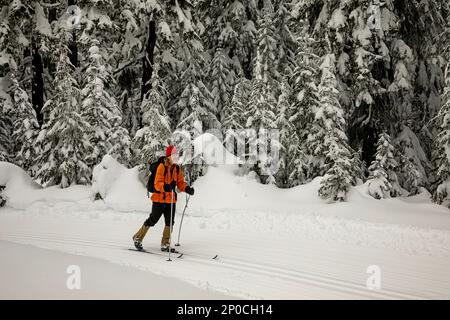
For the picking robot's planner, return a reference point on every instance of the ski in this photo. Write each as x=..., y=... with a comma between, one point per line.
x=207, y=257
x=178, y=254
x=163, y=254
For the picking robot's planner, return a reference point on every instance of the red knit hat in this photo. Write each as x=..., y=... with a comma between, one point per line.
x=170, y=150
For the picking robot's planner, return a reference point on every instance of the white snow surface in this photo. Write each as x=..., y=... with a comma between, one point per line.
x=27, y=269
x=272, y=243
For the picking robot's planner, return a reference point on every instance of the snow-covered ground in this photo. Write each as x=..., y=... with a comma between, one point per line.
x=272, y=243
x=27, y=270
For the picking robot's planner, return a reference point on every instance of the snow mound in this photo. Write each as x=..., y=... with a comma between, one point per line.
x=105, y=174
x=118, y=186
x=221, y=189
x=21, y=191
x=15, y=181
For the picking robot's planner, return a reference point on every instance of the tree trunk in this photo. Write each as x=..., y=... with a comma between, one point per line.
x=147, y=68
x=37, y=95
x=73, y=45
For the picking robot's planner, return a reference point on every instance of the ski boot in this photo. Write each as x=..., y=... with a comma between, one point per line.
x=138, y=244
x=165, y=248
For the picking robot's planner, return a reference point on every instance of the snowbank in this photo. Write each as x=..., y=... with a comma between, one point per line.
x=119, y=187
x=21, y=191
x=105, y=174
x=221, y=191
x=122, y=190
x=15, y=181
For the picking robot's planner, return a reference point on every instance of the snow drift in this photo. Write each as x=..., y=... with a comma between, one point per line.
x=20, y=191
x=119, y=187
x=221, y=191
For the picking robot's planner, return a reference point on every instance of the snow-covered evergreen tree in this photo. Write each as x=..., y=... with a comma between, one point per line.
x=383, y=182
x=25, y=128
x=234, y=121
x=260, y=110
x=127, y=45
x=234, y=110
x=441, y=154
x=150, y=141
x=191, y=126
x=291, y=167
x=402, y=85
x=338, y=155
x=119, y=141
x=286, y=44
x=410, y=150
x=195, y=103
x=261, y=117
x=223, y=79
x=64, y=136
x=306, y=101
x=267, y=50
x=101, y=111
x=6, y=125
x=413, y=177
x=232, y=25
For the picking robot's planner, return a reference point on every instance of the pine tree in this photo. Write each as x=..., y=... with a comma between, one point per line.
x=101, y=111
x=402, y=85
x=234, y=110
x=189, y=79
x=286, y=46
x=222, y=79
x=26, y=128
x=233, y=124
x=380, y=49
x=382, y=182
x=338, y=155
x=231, y=26
x=410, y=150
x=413, y=181
x=6, y=125
x=127, y=42
x=267, y=48
x=306, y=102
x=292, y=159
x=190, y=127
x=441, y=153
x=119, y=141
x=151, y=140
x=195, y=103
x=261, y=118
x=63, y=139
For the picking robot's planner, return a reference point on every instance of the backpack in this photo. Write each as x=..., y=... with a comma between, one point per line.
x=151, y=179
x=153, y=168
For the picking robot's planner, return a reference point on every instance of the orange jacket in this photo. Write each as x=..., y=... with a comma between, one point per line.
x=161, y=180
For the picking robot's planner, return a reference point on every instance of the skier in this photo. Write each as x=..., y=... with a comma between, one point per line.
x=168, y=177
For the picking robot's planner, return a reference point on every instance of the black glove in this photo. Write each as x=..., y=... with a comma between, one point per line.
x=189, y=190
x=170, y=187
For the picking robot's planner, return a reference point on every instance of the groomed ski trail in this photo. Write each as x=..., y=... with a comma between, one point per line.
x=251, y=265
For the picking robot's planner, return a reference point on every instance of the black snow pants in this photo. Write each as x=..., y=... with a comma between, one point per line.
x=159, y=209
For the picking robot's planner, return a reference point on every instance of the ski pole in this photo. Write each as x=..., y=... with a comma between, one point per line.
x=184, y=210
x=170, y=232
x=181, y=223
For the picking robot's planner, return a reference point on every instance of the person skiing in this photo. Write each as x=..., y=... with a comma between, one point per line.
x=168, y=177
